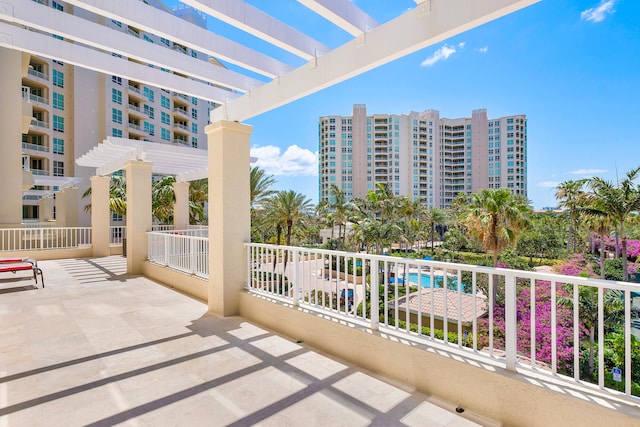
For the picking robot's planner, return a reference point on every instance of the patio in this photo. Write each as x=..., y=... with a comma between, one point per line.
x=100, y=347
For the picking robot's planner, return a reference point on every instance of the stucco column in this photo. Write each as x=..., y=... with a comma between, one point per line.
x=71, y=206
x=229, y=220
x=181, y=207
x=61, y=208
x=138, y=176
x=10, y=143
x=100, y=221
x=45, y=209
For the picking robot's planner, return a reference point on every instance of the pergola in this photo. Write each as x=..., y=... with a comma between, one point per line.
x=254, y=83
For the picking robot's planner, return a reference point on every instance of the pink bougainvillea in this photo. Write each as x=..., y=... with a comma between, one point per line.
x=543, y=337
x=633, y=246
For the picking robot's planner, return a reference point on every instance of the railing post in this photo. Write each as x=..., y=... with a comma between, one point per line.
x=374, y=294
x=511, y=328
x=296, y=286
x=167, y=249
x=41, y=230
x=194, y=254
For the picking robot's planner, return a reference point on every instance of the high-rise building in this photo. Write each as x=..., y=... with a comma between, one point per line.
x=422, y=155
x=69, y=110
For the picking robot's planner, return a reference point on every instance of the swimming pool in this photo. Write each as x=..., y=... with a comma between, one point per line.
x=424, y=280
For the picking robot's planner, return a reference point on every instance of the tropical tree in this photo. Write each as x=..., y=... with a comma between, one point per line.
x=260, y=186
x=163, y=198
x=339, y=206
x=198, y=196
x=617, y=202
x=570, y=195
x=495, y=218
x=434, y=216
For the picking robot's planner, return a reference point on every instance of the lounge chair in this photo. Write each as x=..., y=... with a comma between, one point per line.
x=14, y=265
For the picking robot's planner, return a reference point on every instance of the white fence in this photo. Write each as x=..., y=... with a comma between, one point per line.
x=31, y=239
x=523, y=321
x=116, y=234
x=183, y=250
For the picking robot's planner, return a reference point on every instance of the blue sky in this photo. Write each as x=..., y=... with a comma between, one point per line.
x=573, y=67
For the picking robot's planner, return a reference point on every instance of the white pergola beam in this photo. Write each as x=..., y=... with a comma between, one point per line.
x=162, y=24
x=14, y=37
x=192, y=175
x=343, y=13
x=427, y=24
x=259, y=24
x=86, y=32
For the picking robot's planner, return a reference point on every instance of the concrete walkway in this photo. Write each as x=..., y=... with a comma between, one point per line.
x=97, y=347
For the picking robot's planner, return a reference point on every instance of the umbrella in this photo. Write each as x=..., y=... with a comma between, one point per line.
x=393, y=280
x=427, y=258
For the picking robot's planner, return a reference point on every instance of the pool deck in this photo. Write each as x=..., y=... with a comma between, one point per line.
x=98, y=347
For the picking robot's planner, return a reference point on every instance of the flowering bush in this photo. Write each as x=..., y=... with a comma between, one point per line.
x=576, y=265
x=633, y=246
x=543, y=310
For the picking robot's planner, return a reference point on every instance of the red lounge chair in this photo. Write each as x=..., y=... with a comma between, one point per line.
x=21, y=264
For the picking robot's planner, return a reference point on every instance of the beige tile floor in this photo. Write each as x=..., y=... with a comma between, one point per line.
x=97, y=347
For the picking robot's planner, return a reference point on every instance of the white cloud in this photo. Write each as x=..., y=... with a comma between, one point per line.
x=599, y=13
x=441, y=54
x=548, y=184
x=588, y=171
x=294, y=161
x=484, y=49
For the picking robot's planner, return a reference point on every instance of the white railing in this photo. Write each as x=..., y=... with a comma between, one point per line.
x=116, y=234
x=162, y=227
x=35, y=147
x=31, y=239
x=35, y=223
x=180, y=251
x=523, y=321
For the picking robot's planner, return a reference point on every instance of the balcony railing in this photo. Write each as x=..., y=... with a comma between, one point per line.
x=44, y=172
x=116, y=234
x=183, y=250
x=39, y=123
x=38, y=74
x=35, y=147
x=523, y=321
x=39, y=99
x=28, y=239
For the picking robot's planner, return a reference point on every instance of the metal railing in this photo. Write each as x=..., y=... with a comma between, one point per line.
x=162, y=227
x=35, y=223
x=35, y=147
x=31, y=239
x=39, y=123
x=524, y=321
x=116, y=234
x=39, y=99
x=38, y=74
x=181, y=250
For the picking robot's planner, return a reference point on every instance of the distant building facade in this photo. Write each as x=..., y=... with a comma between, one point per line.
x=422, y=155
x=69, y=110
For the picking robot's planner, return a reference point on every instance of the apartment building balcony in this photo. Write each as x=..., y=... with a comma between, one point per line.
x=37, y=75
x=39, y=124
x=182, y=113
x=35, y=147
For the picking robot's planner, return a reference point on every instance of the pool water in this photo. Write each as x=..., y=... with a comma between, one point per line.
x=424, y=280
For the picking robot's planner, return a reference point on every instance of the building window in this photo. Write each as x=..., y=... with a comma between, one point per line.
x=58, y=101
x=58, y=78
x=166, y=134
x=148, y=127
x=165, y=41
x=194, y=127
x=116, y=218
x=58, y=146
x=116, y=96
x=165, y=102
x=58, y=123
x=194, y=100
x=165, y=118
x=149, y=111
x=117, y=133
x=116, y=116
x=57, y=6
x=117, y=80
x=194, y=114
x=149, y=94
x=194, y=142
x=147, y=38
x=58, y=168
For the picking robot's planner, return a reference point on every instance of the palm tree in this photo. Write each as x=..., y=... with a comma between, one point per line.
x=434, y=216
x=570, y=195
x=117, y=196
x=600, y=225
x=340, y=206
x=260, y=186
x=163, y=198
x=617, y=202
x=286, y=209
x=495, y=218
x=198, y=196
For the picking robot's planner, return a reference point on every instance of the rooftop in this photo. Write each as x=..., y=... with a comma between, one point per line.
x=420, y=302
x=100, y=347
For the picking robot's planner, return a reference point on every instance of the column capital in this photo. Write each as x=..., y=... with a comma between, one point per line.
x=226, y=124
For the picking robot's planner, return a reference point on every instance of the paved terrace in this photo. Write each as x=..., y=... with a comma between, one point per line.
x=98, y=347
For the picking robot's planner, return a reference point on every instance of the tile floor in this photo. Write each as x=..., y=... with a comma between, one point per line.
x=99, y=348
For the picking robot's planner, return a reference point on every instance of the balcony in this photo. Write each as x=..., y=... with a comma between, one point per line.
x=38, y=74
x=39, y=124
x=35, y=147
